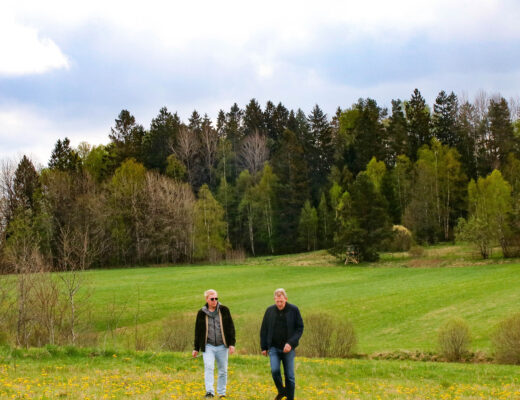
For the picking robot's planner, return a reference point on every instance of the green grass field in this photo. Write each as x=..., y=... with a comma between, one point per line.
x=54, y=374
x=396, y=304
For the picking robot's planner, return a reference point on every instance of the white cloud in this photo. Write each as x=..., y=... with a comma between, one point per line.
x=26, y=131
x=24, y=51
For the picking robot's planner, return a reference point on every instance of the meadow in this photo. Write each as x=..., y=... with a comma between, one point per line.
x=51, y=373
x=396, y=304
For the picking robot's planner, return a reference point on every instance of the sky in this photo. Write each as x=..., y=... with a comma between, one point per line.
x=68, y=68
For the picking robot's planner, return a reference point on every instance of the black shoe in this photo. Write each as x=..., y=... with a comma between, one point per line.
x=209, y=394
x=279, y=396
x=223, y=396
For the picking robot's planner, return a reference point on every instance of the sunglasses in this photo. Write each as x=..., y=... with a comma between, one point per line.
x=213, y=298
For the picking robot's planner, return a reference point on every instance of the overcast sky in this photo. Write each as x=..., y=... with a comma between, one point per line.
x=68, y=69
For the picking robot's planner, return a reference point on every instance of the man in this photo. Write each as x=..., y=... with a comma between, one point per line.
x=282, y=328
x=215, y=337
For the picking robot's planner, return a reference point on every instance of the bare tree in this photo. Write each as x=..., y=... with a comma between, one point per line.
x=481, y=104
x=76, y=254
x=208, y=145
x=7, y=169
x=46, y=305
x=186, y=150
x=169, y=223
x=254, y=152
x=514, y=106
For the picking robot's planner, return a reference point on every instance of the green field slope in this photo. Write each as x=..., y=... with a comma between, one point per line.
x=396, y=304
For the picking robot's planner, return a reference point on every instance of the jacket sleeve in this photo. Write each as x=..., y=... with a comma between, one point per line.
x=198, y=332
x=263, y=332
x=298, y=329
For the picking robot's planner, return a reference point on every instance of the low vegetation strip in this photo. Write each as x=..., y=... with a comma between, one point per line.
x=38, y=374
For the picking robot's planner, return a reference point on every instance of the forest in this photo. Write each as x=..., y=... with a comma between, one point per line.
x=270, y=181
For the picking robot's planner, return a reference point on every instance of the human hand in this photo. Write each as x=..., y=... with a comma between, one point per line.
x=194, y=353
x=264, y=352
x=231, y=349
x=287, y=348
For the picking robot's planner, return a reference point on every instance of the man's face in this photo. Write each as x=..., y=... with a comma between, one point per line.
x=280, y=302
x=212, y=299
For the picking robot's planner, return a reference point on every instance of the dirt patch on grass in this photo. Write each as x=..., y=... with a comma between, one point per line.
x=317, y=258
x=424, y=263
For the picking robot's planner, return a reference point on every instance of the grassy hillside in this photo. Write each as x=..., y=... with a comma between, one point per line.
x=51, y=374
x=398, y=303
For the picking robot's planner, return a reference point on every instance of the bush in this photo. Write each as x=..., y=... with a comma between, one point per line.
x=325, y=336
x=454, y=339
x=178, y=331
x=506, y=340
x=401, y=239
x=344, y=340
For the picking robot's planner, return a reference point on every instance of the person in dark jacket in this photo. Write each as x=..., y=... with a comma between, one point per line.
x=215, y=337
x=282, y=328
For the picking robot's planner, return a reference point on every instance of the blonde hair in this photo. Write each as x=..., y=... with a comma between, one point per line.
x=208, y=292
x=280, y=292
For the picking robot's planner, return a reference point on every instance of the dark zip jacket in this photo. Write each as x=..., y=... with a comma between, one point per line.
x=226, y=326
x=294, y=326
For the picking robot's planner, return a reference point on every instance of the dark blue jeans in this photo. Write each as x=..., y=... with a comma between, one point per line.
x=276, y=357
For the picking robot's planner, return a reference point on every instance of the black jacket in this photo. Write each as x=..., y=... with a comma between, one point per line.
x=294, y=326
x=226, y=325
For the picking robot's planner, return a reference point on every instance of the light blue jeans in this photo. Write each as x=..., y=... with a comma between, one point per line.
x=212, y=353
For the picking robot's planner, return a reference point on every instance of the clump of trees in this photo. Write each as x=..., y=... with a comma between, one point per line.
x=273, y=180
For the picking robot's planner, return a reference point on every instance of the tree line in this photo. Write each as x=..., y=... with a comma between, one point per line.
x=271, y=180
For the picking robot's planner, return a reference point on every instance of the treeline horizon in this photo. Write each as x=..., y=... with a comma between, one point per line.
x=269, y=181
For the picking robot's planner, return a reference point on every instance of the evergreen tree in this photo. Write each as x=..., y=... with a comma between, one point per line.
x=444, y=121
x=397, y=132
x=195, y=122
x=234, y=126
x=290, y=167
x=253, y=118
x=418, y=117
x=26, y=185
x=363, y=134
x=159, y=141
x=501, y=140
x=64, y=157
x=126, y=138
x=363, y=221
x=469, y=143
x=321, y=149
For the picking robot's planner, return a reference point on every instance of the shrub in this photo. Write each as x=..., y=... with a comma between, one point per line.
x=401, y=239
x=326, y=336
x=344, y=340
x=178, y=332
x=454, y=338
x=506, y=340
